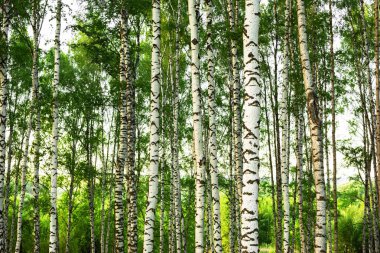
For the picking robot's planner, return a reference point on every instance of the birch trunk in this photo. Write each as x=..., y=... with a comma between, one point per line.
x=315, y=125
x=14, y=204
x=130, y=161
x=251, y=130
x=376, y=11
x=184, y=242
x=104, y=191
x=37, y=138
x=162, y=206
x=24, y=168
x=236, y=120
x=231, y=188
x=55, y=136
x=154, y=129
x=3, y=111
x=270, y=160
x=277, y=145
x=8, y=174
x=197, y=125
x=163, y=161
x=213, y=160
x=175, y=144
x=110, y=193
x=90, y=182
x=333, y=127
x=36, y=181
x=121, y=156
x=299, y=154
x=70, y=212
x=284, y=130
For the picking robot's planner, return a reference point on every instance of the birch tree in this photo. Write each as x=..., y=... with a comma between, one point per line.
x=315, y=125
x=333, y=129
x=154, y=129
x=121, y=156
x=217, y=240
x=232, y=16
x=193, y=9
x=175, y=144
x=299, y=154
x=377, y=94
x=130, y=160
x=4, y=30
x=284, y=129
x=251, y=129
x=55, y=136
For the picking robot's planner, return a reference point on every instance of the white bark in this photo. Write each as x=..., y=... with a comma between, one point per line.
x=3, y=111
x=197, y=125
x=315, y=125
x=284, y=133
x=237, y=142
x=299, y=154
x=24, y=168
x=130, y=167
x=154, y=130
x=121, y=156
x=251, y=129
x=175, y=162
x=55, y=136
x=217, y=239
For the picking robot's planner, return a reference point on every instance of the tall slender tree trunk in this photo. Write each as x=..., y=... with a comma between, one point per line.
x=251, y=130
x=70, y=209
x=175, y=144
x=236, y=121
x=231, y=188
x=376, y=11
x=162, y=203
x=277, y=145
x=213, y=160
x=299, y=154
x=284, y=130
x=90, y=177
x=111, y=186
x=270, y=159
x=8, y=173
x=163, y=160
x=55, y=136
x=24, y=168
x=333, y=128
x=328, y=181
x=3, y=111
x=12, y=238
x=104, y=191
x=154, y=129
x=197, y=125
x=121, y=156
x=37, y=126
x=36, y=180
x=130, y=161
x=315, y=125
x=367, y=163
x=374, y=219
x=4, y=30
x=171, y=214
